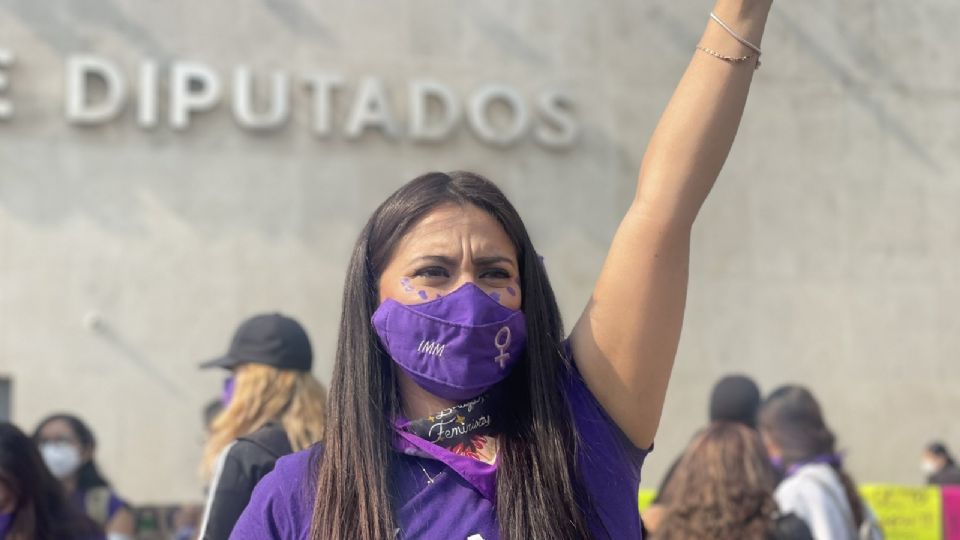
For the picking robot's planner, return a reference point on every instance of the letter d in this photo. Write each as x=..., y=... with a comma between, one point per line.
x=80, y=69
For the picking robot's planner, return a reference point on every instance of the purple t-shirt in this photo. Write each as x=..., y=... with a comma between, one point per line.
x=458, y=502
x=5, y=521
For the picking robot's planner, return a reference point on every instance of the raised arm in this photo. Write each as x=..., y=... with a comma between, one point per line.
x=625, y=341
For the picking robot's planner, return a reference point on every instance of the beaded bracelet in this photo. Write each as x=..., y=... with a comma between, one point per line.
x=737, y=37
x=731, y=59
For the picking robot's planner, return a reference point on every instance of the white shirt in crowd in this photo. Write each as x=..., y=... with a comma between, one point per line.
x=815, y=494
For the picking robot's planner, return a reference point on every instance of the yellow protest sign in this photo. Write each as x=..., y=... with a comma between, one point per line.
x=906, y=513
x=645, y=498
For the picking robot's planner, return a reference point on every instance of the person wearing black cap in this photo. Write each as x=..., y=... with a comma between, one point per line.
x=273, y=406
x=734, y=398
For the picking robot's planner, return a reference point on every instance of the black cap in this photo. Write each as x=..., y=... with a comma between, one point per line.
x=735, y=398
x=269, y=339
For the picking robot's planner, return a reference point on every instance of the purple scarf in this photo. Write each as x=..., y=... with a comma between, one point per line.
x=834, y=460
x=483, y=476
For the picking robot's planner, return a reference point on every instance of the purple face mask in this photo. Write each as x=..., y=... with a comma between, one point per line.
x=228, y=386
x=455, y=347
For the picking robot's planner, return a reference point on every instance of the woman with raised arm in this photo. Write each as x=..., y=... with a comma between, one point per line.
x=457, y=407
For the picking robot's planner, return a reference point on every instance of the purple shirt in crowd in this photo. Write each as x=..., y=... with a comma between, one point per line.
x=459, y=503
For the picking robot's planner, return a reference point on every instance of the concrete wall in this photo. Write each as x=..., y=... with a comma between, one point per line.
x=827, y=254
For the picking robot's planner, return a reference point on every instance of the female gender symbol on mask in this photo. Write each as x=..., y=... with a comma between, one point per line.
x=502, y=341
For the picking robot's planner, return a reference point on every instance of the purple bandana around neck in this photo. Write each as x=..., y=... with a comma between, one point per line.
x=482, y=476
x=455, y=347
x=834, y=460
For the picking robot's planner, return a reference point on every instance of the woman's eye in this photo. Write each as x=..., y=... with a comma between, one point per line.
x=432, y=272
x=496, y=273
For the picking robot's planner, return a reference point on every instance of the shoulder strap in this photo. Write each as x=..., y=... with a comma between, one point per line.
x=272, y=439
x=790, y=526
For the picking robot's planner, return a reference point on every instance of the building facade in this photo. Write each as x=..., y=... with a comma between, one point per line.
x=167, y=169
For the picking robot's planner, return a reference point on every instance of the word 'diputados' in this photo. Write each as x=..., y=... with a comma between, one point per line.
x=424, y=110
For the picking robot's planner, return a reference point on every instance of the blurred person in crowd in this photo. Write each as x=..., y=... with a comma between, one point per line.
x=272, y=406
x=33, y=504
x=815, y=485
x=939, y=465
x=459, y=408
x=734, y=398
x=186, y=522
x=722, y=489
x=187, y=518
x=68, y=448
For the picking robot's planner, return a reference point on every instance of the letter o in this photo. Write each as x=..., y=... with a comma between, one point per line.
x=478, y=109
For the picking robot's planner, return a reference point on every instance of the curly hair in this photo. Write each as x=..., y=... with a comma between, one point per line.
x=722, y=488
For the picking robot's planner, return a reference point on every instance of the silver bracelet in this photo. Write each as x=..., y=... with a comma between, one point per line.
x=737, y=37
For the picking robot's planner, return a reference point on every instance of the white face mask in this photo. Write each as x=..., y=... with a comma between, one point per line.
x=63, y=459
x=929, y=467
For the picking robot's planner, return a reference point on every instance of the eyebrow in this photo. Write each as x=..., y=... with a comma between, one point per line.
x=435, y=259
x=483, y=261
x=449, y=261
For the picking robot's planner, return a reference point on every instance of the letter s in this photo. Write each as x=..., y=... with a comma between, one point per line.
x=555, y=108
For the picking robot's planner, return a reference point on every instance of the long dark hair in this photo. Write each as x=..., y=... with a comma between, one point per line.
x=792, y=418
x=88, y=475
x=539, y=495
x=722, y=488
x=43, y=511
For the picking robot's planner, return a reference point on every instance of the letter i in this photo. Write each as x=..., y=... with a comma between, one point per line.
x=148, y=112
